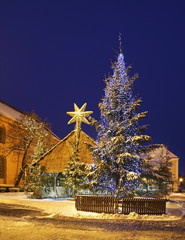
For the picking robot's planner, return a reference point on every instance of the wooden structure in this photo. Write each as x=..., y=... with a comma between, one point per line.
x=10, y=162
x=111, y=205
x=55, y=160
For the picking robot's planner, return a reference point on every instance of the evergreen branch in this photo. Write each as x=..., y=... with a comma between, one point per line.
x=141, y=129
x=94, y=122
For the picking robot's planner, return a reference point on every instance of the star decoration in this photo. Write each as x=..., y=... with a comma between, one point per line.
x=79, y=115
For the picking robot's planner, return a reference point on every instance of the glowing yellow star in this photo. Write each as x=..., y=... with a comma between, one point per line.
x=79, y=115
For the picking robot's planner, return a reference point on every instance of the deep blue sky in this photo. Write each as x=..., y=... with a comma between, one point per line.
x=53, y=54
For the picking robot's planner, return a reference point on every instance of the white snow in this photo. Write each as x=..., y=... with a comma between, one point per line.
x=9, y=111
x=66, y=207
x=177, y=196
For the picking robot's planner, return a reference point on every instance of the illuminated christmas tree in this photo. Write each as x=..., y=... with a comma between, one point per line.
x=117, y=151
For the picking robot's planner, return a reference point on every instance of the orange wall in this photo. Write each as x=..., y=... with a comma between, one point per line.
x=14, y=159
x=175, y=172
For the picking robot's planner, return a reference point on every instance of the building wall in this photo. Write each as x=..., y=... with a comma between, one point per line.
x=175, y=172
x=12, y=161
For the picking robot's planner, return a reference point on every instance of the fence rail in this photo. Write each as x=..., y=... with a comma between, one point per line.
x=109, y=204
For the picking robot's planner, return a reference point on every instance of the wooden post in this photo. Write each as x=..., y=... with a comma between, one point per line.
x=54, y=183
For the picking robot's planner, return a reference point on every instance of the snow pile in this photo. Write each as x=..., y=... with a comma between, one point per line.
x=131, y=216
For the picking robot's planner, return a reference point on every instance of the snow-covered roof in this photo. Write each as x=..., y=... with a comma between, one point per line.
x=161, y=151
x=164, y=150
x=171, y=155
x=9, y=111
x=15, y=114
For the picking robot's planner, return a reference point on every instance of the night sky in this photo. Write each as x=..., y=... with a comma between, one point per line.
x=56, y=53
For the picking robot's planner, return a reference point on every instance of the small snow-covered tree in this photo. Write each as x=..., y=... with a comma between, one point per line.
x=164, y=171
x=156, y=166
x=75, y=171
x=28, y=133
x=34, y=176
x=32, y=180
x=117, y=151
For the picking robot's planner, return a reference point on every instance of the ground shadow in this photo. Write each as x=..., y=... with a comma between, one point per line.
x=16, y=210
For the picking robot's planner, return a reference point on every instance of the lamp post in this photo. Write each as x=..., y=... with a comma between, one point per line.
x=180, y=184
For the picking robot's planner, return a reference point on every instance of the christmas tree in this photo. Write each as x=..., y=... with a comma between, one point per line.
x=34, y=175
x=75, y=171
x=156, y=166
x=117, y=151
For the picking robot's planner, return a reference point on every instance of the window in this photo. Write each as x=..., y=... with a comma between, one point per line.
x=2, y=134
x=2, y=167
x=170, y=164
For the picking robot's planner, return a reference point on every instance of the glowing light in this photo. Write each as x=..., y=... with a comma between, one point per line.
x=79, y=115
x=144, y=179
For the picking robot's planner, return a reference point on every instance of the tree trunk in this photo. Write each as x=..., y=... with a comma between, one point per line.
x=54, y=183
x=24, y=165
x=19, y=177
x=75, y=194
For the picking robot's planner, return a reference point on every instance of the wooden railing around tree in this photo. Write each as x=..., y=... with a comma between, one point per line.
x=109, y=204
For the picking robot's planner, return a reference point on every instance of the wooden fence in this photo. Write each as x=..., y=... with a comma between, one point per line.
x=109, y=204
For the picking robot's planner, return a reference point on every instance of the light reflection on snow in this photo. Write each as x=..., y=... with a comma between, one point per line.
x=66, y=207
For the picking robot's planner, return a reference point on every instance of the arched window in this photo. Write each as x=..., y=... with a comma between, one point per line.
x=2, y=167
x=2, y=134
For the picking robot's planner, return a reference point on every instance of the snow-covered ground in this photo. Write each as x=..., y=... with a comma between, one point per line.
x=24, y=227
x=66, y=207
x=177, y=196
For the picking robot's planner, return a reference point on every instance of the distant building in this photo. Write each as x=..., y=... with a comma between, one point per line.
x=10, y=162
x=159, y=154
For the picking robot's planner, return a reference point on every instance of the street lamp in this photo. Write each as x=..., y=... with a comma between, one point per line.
x=180, y=180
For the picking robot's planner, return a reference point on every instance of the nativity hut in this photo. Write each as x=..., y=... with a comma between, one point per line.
x=55, y=160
